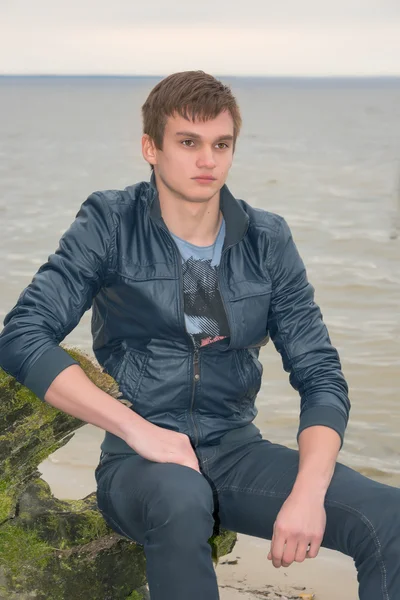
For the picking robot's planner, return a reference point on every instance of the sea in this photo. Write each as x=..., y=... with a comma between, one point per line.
x=323, y=153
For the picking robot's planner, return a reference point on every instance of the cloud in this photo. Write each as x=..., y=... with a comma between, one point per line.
x=285, y=38
x=224, y=13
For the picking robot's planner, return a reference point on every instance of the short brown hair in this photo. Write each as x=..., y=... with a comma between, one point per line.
x=192, y=95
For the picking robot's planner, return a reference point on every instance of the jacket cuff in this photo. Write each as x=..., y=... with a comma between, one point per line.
x=324, y=415
x=45, y=370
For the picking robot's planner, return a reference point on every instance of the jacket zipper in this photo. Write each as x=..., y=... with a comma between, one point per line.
x=196, y=379
x=196, y=367
x=196, y=357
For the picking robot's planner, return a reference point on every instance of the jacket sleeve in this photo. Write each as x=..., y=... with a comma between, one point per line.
x=54, y=302
x=299, y=334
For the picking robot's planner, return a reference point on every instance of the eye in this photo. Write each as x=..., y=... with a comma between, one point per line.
x=222, y=145
x=188, y=143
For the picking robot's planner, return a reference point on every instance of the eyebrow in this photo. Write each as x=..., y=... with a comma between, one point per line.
x=196, y=136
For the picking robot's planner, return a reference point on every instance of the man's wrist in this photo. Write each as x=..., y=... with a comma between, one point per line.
x=307, y=484
x=318, y=450
x=129, y=425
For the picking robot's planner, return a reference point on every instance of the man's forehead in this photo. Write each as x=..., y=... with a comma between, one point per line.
x=220, y=125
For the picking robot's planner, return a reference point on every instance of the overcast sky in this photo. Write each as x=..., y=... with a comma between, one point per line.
x=243, y=37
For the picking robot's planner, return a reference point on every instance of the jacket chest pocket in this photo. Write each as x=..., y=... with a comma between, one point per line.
x=144, y=309
x=249, y=303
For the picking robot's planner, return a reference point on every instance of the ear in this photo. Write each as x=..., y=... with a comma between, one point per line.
x=149, y=149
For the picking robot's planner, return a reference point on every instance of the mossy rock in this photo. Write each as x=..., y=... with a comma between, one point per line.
x=33, y=430
x=140, y=594
x=52, y=549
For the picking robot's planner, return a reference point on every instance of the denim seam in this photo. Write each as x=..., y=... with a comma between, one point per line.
x=374, y=536
x=114, y=493
x=365, y=520
x=234, y=488
x=207, y=460
x=291, y=468
x=270, y=492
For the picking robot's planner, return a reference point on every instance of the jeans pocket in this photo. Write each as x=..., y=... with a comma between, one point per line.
x=207, y=456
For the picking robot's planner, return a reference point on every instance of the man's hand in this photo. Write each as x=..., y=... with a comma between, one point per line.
x=162, y=445
x=300, y=523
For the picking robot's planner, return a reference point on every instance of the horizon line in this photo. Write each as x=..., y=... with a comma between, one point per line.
x=244, y=76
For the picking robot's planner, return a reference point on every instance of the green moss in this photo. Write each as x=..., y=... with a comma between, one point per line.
x=62, y=523
x=6, y=501
x=43, y=489
x=93, y=527
x=24, y=395
x=36, y=553
x=94, y=372
x=135, y=596
x=15, y=394
x=222, y=544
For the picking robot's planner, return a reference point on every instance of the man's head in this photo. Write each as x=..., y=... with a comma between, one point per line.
x=190, y=125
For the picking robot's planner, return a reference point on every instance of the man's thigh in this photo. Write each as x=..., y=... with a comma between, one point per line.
x=251, y=481
x=134, y=494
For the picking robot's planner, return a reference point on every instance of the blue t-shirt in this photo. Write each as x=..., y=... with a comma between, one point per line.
x=205, y=316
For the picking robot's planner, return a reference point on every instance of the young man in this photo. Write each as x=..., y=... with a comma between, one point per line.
x=186, y=284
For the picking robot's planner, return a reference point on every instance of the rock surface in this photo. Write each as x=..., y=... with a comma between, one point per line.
x=51, y=549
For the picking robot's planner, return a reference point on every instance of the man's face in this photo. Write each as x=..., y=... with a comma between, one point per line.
x=196, y=157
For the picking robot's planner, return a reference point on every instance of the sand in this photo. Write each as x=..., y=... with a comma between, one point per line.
x=329, y=576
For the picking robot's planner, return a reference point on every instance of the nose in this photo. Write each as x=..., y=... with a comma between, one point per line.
x=205, y=159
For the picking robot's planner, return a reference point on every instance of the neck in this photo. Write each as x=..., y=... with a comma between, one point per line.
x=196, y=222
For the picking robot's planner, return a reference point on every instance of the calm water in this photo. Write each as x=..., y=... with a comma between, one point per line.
x=325, y=155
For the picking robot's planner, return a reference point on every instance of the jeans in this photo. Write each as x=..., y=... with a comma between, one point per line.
x=173, y=510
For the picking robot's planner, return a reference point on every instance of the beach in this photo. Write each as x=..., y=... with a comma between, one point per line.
x=246, y=574
x=325, y=155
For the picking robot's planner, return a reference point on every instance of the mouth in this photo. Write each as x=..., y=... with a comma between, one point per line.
x=204, y=178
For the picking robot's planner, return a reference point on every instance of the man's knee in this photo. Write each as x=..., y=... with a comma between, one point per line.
x=386, y=515
x=183, y=499
x=379, y=515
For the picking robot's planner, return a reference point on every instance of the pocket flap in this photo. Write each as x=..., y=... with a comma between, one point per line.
x=248, y=289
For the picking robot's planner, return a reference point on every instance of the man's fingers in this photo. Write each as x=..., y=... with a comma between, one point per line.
x=277, y=549
x=314, y=549
x=289, y=553
x=301, y=552
x=270, y=550
x=284, y=552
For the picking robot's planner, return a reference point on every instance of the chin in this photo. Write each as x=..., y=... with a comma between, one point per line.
x=201, y=196
x=202, y=192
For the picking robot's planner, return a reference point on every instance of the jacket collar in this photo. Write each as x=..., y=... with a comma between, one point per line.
x=236, y=219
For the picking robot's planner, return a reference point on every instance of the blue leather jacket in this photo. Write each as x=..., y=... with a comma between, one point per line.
x=119, y=258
